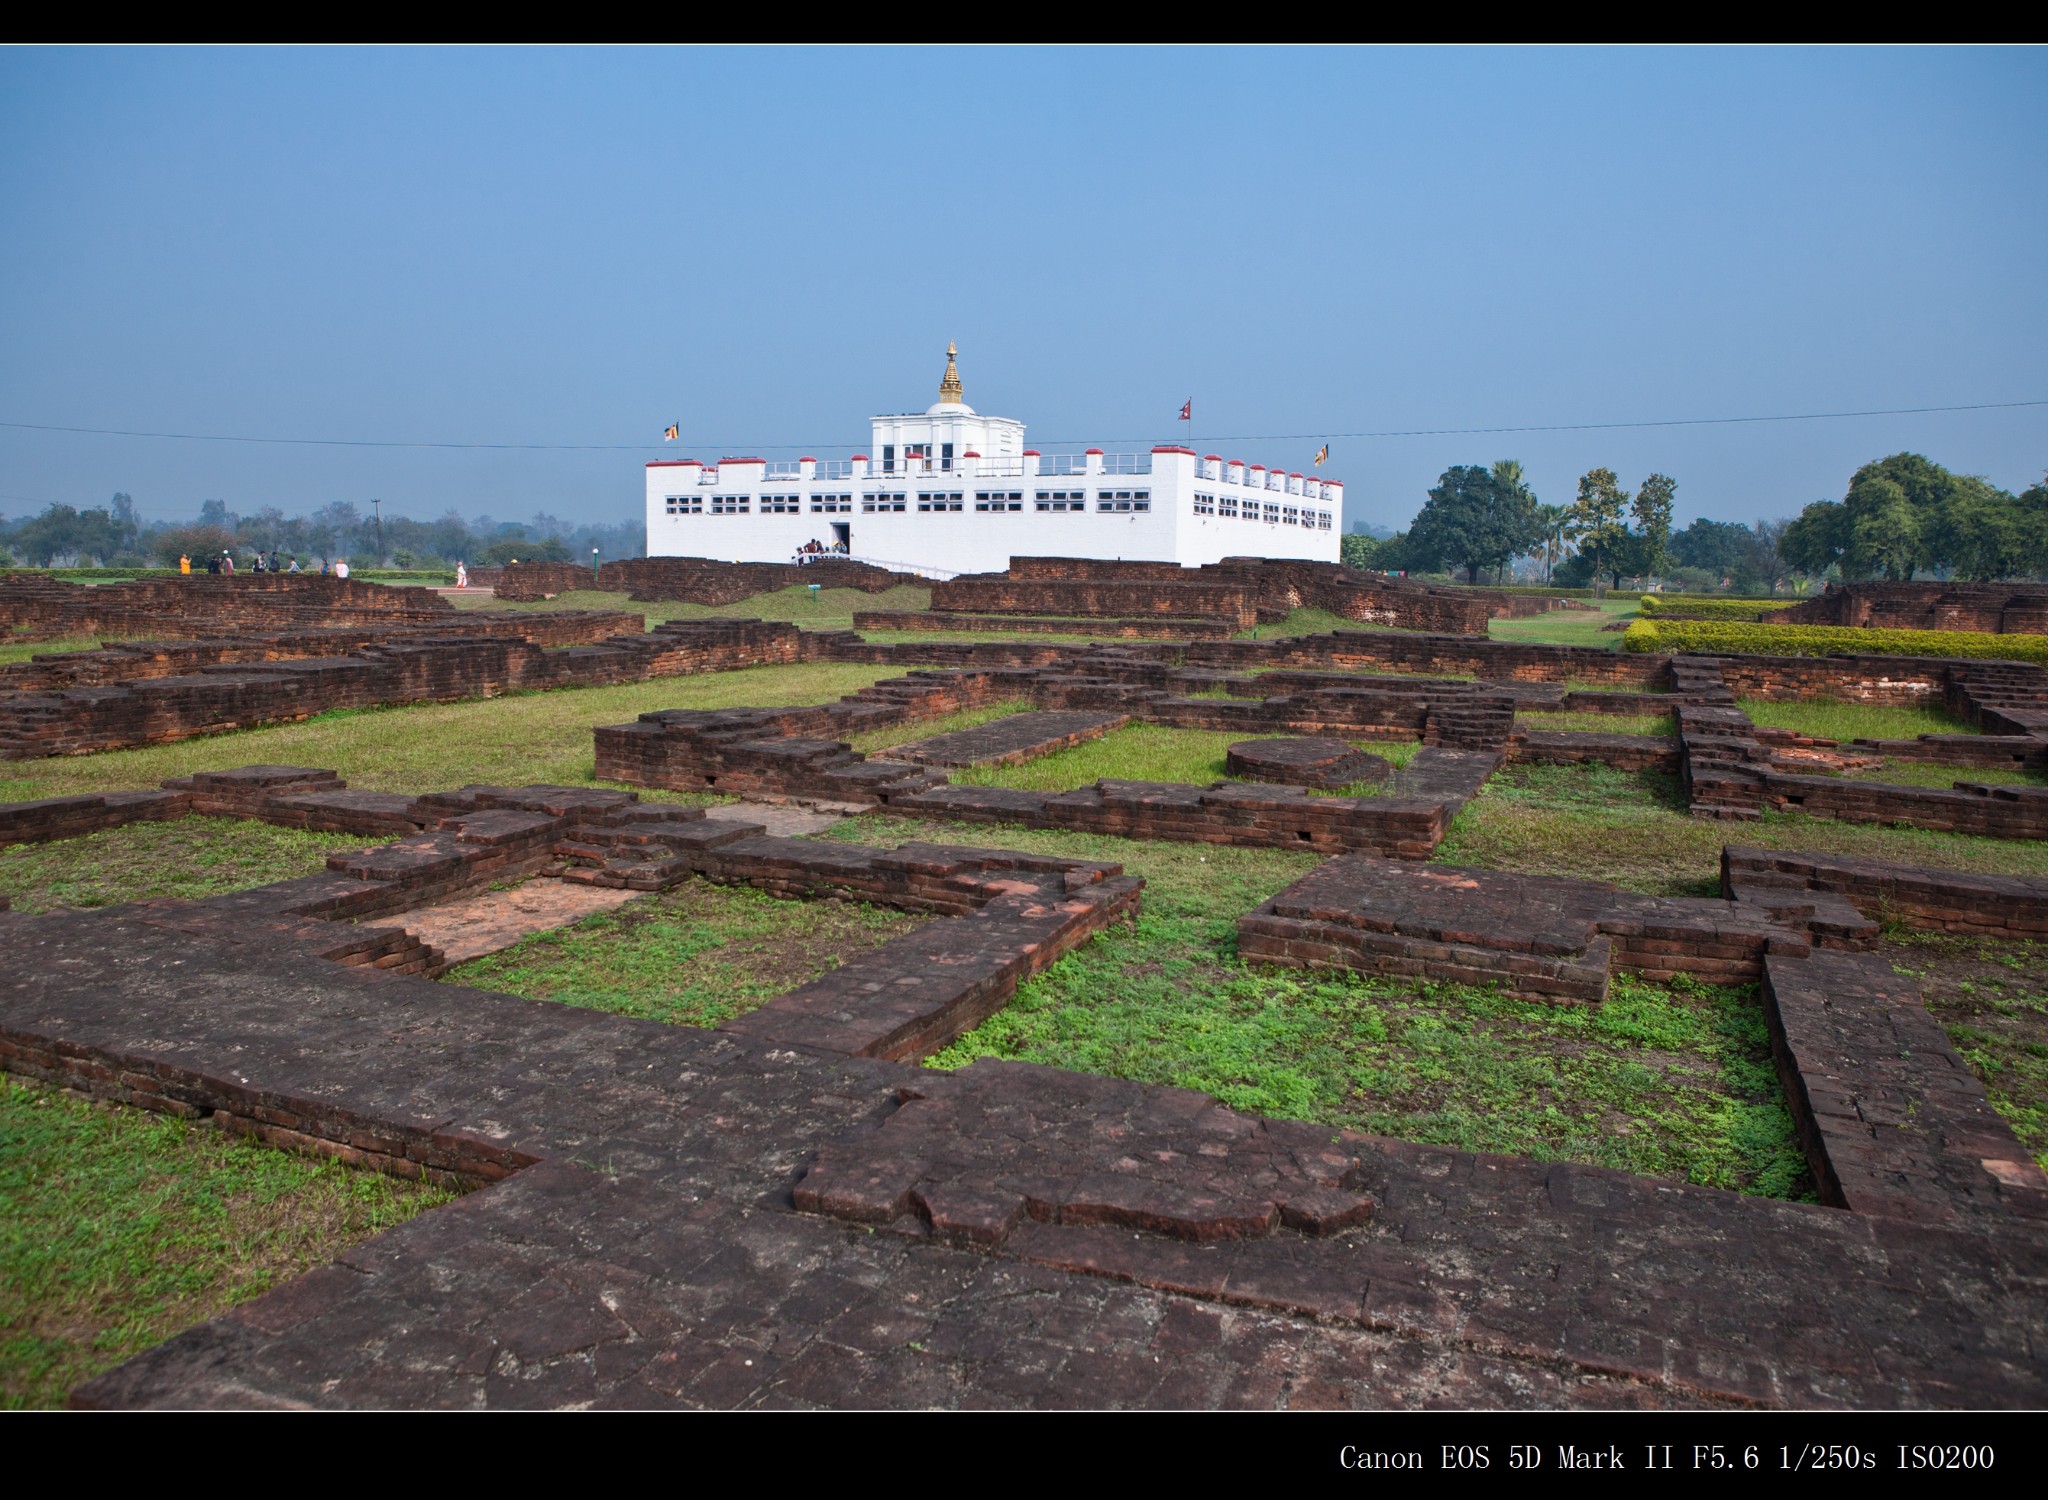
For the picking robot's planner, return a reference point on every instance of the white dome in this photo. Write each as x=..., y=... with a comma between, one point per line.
x=949, y=409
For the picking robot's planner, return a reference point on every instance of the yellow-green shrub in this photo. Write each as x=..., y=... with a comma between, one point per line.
x=1729, y=637
x=1709, y=606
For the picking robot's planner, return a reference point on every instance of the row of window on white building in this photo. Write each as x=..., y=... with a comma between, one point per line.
x=1106, y=502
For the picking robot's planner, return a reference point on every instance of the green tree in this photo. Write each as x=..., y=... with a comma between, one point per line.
x=1652, y=511
x=1472, y=520
x=2032, y=504
x=1884, y=530
x=1597, y=517
x=1816, y=539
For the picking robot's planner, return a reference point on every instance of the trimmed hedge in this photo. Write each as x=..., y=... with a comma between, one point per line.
x=1735, y=638
x=1710, y=606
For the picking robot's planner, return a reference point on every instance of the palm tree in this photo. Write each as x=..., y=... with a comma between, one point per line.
x=1556, y=535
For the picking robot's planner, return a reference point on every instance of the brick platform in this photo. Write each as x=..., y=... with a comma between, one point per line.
x=703, y=580
x=1893, y=1121
x=1011, y=740
x=1538, y=937
x=402, y=667
x=1304, y=762
x=1999, y=906
x=35, y=606
x=1158, y=628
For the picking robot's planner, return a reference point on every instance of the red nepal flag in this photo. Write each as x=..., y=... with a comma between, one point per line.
x=1187, y=410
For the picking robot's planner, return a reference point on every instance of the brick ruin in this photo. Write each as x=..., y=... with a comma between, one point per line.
x=36, y=607
x=1735, y=769
x=1242, y=591
x=1994, y=608
x=693, y=580
x=1018, y=1235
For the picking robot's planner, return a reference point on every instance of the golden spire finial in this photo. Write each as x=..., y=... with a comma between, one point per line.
x=949, y=388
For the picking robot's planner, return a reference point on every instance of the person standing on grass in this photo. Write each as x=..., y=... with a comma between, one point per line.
x=461, y=575
x=185, y=562
x=227, y=563
x=341, y=567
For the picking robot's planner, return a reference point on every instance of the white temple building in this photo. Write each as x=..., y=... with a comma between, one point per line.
x=947, y=490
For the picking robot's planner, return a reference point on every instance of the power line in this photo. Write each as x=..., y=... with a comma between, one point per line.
x=1259, y=437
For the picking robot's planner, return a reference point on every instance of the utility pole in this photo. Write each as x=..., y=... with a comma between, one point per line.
x=378, y=507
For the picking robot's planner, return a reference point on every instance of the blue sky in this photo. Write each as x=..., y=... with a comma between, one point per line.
x=542, y=246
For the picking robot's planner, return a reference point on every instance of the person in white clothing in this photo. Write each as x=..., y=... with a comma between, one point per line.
x=341, y=568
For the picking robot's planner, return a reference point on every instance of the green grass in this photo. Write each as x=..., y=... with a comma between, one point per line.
x=1992, y=1000
x=1580, y=685
x=1306, y=622
x=874, y=741
x=1926, y=773
x=1831, y=719
x=1001, y=637
x=1675, y=1081
x=1571, y=627
x=1632, y=828
x=521, y=738
x=120, y=1228
x=24, y=650
x=695, y=955
x=1580, y=723
x=828, y=609
x=187, y=859
x=1143, y=752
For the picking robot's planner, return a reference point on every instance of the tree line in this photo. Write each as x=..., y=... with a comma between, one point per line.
x=1902, y=516
x=113, y=536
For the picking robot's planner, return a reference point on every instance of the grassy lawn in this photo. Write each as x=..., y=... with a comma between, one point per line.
x=1672, y=1081
x=1583, y=723
x=1926, y=773
x=1306, y=622
x=1632, y=828
x=1571, y=627
x=828, y=609
x=1003, y=637
x=120, y=1228
x=1831, y=719
x=23, y=650
x=1143, y=752
x=1992, y=1000
x=695, y=955
x=522, y=738
x=189, y=858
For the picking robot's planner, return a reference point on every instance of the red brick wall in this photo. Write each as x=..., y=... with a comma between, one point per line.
x=1990, y=608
